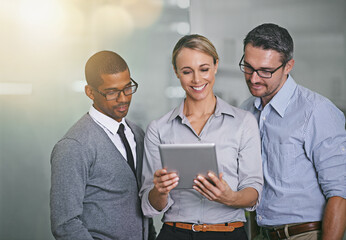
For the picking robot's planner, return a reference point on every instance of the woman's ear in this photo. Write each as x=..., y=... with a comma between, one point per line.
x=216, y=65
x=176, y=73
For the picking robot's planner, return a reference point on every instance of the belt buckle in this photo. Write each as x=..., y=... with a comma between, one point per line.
x=193, y=228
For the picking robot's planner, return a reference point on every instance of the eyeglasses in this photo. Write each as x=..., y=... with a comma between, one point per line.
x=261, y=73
x=114, y=94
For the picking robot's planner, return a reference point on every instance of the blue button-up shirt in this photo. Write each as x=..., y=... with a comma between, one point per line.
x=303, y=152
x=236, y=136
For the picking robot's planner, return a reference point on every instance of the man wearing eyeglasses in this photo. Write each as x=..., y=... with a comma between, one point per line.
x=303, y=144
x=96, y=167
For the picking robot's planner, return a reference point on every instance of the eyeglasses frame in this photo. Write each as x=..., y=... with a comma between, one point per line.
x=118, y=90
x=256, y=70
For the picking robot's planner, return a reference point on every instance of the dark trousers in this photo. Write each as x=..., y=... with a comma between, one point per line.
x=174, y=233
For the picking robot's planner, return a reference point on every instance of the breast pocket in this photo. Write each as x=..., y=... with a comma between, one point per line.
x=281, y=161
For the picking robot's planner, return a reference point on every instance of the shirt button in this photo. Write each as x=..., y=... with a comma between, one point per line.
x=260, y=217
x=264, y=118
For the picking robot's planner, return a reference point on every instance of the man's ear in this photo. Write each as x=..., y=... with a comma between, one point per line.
x=288, y=67
x=89, y=92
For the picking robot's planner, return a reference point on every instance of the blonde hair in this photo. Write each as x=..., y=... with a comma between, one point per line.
x=195, y=42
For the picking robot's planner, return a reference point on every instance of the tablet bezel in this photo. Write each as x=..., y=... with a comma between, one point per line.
x=200, y=159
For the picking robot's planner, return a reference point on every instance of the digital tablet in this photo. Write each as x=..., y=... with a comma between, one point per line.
x=189, y=160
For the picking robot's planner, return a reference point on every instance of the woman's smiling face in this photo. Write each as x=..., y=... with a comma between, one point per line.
x=196, y=71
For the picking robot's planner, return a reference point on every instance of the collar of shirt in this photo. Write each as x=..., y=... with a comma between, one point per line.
x=221, y=108
x=106, y=122
x=281, y=100
x=110, y=126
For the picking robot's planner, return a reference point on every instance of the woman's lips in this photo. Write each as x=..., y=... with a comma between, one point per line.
x=200, y=88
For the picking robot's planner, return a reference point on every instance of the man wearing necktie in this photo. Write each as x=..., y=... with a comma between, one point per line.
x=96, y=167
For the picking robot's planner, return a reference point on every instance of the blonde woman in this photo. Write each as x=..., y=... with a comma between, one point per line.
x=209, y=211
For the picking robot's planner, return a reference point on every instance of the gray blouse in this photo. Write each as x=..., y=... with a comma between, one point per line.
x=236, y=135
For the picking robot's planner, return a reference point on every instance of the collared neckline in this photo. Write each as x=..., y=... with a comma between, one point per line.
x=281, y=99
x=108, y=123
x=221, y=108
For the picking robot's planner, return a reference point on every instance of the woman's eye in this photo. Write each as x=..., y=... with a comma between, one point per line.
x=205, y=69
x=186, y=72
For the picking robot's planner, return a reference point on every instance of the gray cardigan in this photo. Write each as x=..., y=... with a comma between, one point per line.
x=94, y=193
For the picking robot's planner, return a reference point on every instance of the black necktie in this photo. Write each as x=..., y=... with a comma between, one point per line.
x=129, y=155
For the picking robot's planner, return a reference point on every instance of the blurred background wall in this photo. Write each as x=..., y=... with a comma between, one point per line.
x=44, y=45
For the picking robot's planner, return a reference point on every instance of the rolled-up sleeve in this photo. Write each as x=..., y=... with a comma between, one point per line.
x=151, y=163
x=249, y=158
x=326, y=146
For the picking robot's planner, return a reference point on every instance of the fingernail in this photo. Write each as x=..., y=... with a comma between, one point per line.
x=199, y=177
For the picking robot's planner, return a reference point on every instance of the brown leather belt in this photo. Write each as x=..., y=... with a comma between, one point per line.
x=282, y=233
x=224, y=227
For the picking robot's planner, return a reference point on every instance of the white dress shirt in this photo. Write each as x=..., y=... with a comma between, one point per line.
x=110, y=126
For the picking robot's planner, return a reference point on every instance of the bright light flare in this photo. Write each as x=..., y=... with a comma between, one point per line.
x=41, y=18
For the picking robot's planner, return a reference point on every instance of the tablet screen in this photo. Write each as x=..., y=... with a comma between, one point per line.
x=189, y=160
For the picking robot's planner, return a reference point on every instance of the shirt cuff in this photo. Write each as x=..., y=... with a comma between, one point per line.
x=258, y=188
x=149, y=210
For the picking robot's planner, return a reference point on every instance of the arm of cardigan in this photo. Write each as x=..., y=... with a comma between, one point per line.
x=68, y=181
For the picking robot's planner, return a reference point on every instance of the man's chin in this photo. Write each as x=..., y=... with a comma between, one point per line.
x=255, y=93
x=121, y=114
x=118, y=116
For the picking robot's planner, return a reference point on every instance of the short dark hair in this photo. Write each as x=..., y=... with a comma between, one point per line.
x=104, y=62
x=271, y=36
x=195, y=42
